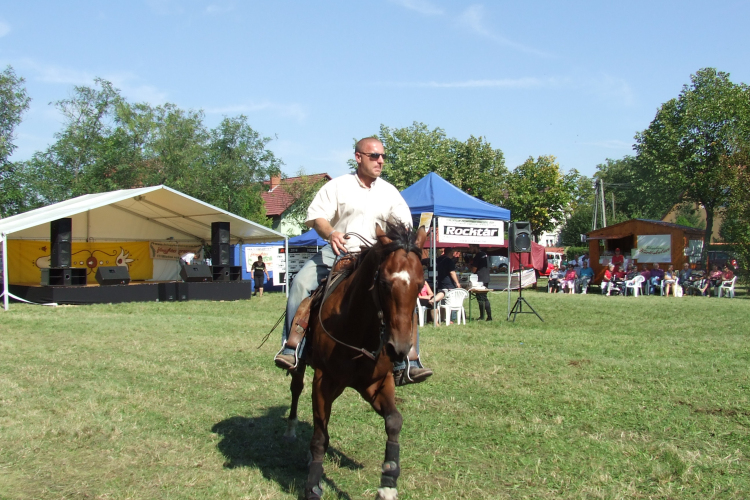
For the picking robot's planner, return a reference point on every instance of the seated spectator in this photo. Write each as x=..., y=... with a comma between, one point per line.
x=425, y=296
x=569, y=281
x=703, y=285
x=609, y=275
x=670, y=280
x=630, y=275
x=727, y=275
x=714, y=278
x=656, y=276
x=684, y=278
x=585, y=275
x=646, y=279
x=555, y=277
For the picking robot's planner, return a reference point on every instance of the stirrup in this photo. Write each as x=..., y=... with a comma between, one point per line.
x=282, y=363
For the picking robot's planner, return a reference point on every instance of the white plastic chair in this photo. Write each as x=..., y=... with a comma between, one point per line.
x=454, y=301
x=634, y=284
x=728, y=286
x=421, y=312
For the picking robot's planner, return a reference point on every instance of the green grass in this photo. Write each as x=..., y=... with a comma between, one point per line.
x=607, y=398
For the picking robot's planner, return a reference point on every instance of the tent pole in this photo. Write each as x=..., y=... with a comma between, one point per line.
x=286, y=273
x=5, y=271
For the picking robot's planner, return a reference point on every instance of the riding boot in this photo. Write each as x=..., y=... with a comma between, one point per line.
x=288, y=356
x=481, y=311
x=414, y=372
x=489, y=310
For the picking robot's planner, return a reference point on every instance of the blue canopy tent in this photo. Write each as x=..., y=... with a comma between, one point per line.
x=308, y=239
x=434, y=194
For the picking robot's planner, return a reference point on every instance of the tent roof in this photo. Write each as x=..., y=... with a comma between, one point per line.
x=434, y=194
x=308, y=239
x=142, y=214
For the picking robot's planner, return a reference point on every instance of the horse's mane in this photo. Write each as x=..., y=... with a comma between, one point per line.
x=402, y=238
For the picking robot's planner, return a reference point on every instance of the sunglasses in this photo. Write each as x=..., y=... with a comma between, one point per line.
x=373, y=156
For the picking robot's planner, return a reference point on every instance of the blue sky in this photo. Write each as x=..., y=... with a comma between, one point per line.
x=575, y=80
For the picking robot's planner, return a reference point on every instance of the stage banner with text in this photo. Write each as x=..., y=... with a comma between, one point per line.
x=654, y=248
x=470, y=231
x=26, y=259
x=169, y=250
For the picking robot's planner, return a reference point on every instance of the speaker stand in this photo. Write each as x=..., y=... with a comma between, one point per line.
x=520, y=301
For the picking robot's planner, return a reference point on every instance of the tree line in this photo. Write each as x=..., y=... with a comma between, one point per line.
x=694, y=151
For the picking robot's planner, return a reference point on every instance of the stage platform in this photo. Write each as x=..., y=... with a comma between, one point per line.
x=136, y=291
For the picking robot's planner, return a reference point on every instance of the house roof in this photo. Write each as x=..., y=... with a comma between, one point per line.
x=278, y=199
x=142, y=214
x=619, y=228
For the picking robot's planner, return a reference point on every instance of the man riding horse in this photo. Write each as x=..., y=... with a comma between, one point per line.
x=350, y=204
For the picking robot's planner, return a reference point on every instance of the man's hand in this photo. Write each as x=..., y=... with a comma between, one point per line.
x=338, y=242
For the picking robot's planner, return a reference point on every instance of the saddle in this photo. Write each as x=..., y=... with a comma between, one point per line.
x=341, y=270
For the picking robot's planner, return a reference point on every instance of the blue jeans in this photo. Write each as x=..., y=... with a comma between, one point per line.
x=306, y=281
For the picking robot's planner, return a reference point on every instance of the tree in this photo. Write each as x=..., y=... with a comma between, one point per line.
x=633, y=198
x=13, y=103
x=413, y=152
x=107, y=143
x=688, y=145
x=580, y=210
x=538, y=192
x=302, y=190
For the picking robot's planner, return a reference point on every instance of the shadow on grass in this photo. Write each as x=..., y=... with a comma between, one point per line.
x=258, y=442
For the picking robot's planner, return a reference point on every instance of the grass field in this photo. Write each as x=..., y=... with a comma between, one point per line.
x=607, y=398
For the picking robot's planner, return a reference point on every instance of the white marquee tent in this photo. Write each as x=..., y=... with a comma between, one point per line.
x=156, y=213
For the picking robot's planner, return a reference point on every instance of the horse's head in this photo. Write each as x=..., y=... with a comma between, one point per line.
x=400, y=278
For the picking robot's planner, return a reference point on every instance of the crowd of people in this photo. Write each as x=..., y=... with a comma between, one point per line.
x=650, y=280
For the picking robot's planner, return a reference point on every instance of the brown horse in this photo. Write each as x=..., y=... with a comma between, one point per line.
x=357, y=333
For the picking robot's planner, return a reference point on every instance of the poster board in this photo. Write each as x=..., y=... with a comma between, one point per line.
x=271, y=257
x=654, y=248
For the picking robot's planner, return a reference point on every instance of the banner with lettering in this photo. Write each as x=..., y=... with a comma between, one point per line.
x=653, y=248
x=470, y=231
x=170, y=250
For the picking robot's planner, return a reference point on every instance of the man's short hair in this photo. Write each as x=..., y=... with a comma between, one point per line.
x=358, y=145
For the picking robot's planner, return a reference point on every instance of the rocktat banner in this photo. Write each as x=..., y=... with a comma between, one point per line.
x=653, y=248
x=27, y=258
x=470, y=231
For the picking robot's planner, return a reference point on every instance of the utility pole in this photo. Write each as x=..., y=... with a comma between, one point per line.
x=604, y=211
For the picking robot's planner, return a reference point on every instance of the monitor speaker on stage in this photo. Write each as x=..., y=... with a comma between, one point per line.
x=227, y=273
x=220, y=240
x=195, y=273
x=61, y=236
x=519, y=237
x=112, y=275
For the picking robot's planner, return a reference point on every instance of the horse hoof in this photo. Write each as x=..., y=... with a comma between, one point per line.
x=387, y=494
x=289, y=437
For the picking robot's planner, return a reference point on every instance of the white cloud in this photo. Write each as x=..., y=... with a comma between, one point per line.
x=220, y=7
x=502, y=83
x=473, y=19
x=421, y=6
x=4, y=28
x=293, y=110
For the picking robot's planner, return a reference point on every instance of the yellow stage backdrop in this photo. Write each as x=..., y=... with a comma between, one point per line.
x=27, y=258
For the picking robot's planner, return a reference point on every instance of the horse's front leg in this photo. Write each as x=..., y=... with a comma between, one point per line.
x=382, y=397
x=324, y=392
x=296, y=386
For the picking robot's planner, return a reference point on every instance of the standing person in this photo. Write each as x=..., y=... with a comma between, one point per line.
x=259, y=273
x=352, y=203
x=618, y=259
x=480, y=265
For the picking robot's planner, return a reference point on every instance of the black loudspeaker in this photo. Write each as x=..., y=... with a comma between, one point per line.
x=519, y=237
x=61, y=236
x=220, y=243
x=64, y=276
x=112, y=275
x=226, y=273
x=195, y=272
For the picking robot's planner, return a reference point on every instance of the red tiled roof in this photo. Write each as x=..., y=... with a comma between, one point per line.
x=278, y=199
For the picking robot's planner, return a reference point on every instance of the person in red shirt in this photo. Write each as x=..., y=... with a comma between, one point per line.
x=727, y=275
x=609, y=275
x=618, y=259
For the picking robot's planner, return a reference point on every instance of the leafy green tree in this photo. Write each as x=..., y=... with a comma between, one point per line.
x=13, y=103
x=634, y=196
x=687, y=146
x=540, y=193
x=302, y=190
x=413, y=152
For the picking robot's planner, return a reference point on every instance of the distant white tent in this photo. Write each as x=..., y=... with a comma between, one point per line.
x=156, y=213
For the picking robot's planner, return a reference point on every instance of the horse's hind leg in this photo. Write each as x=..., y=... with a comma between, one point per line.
x=323, y=394
x=296, y=386
x=382, y=397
